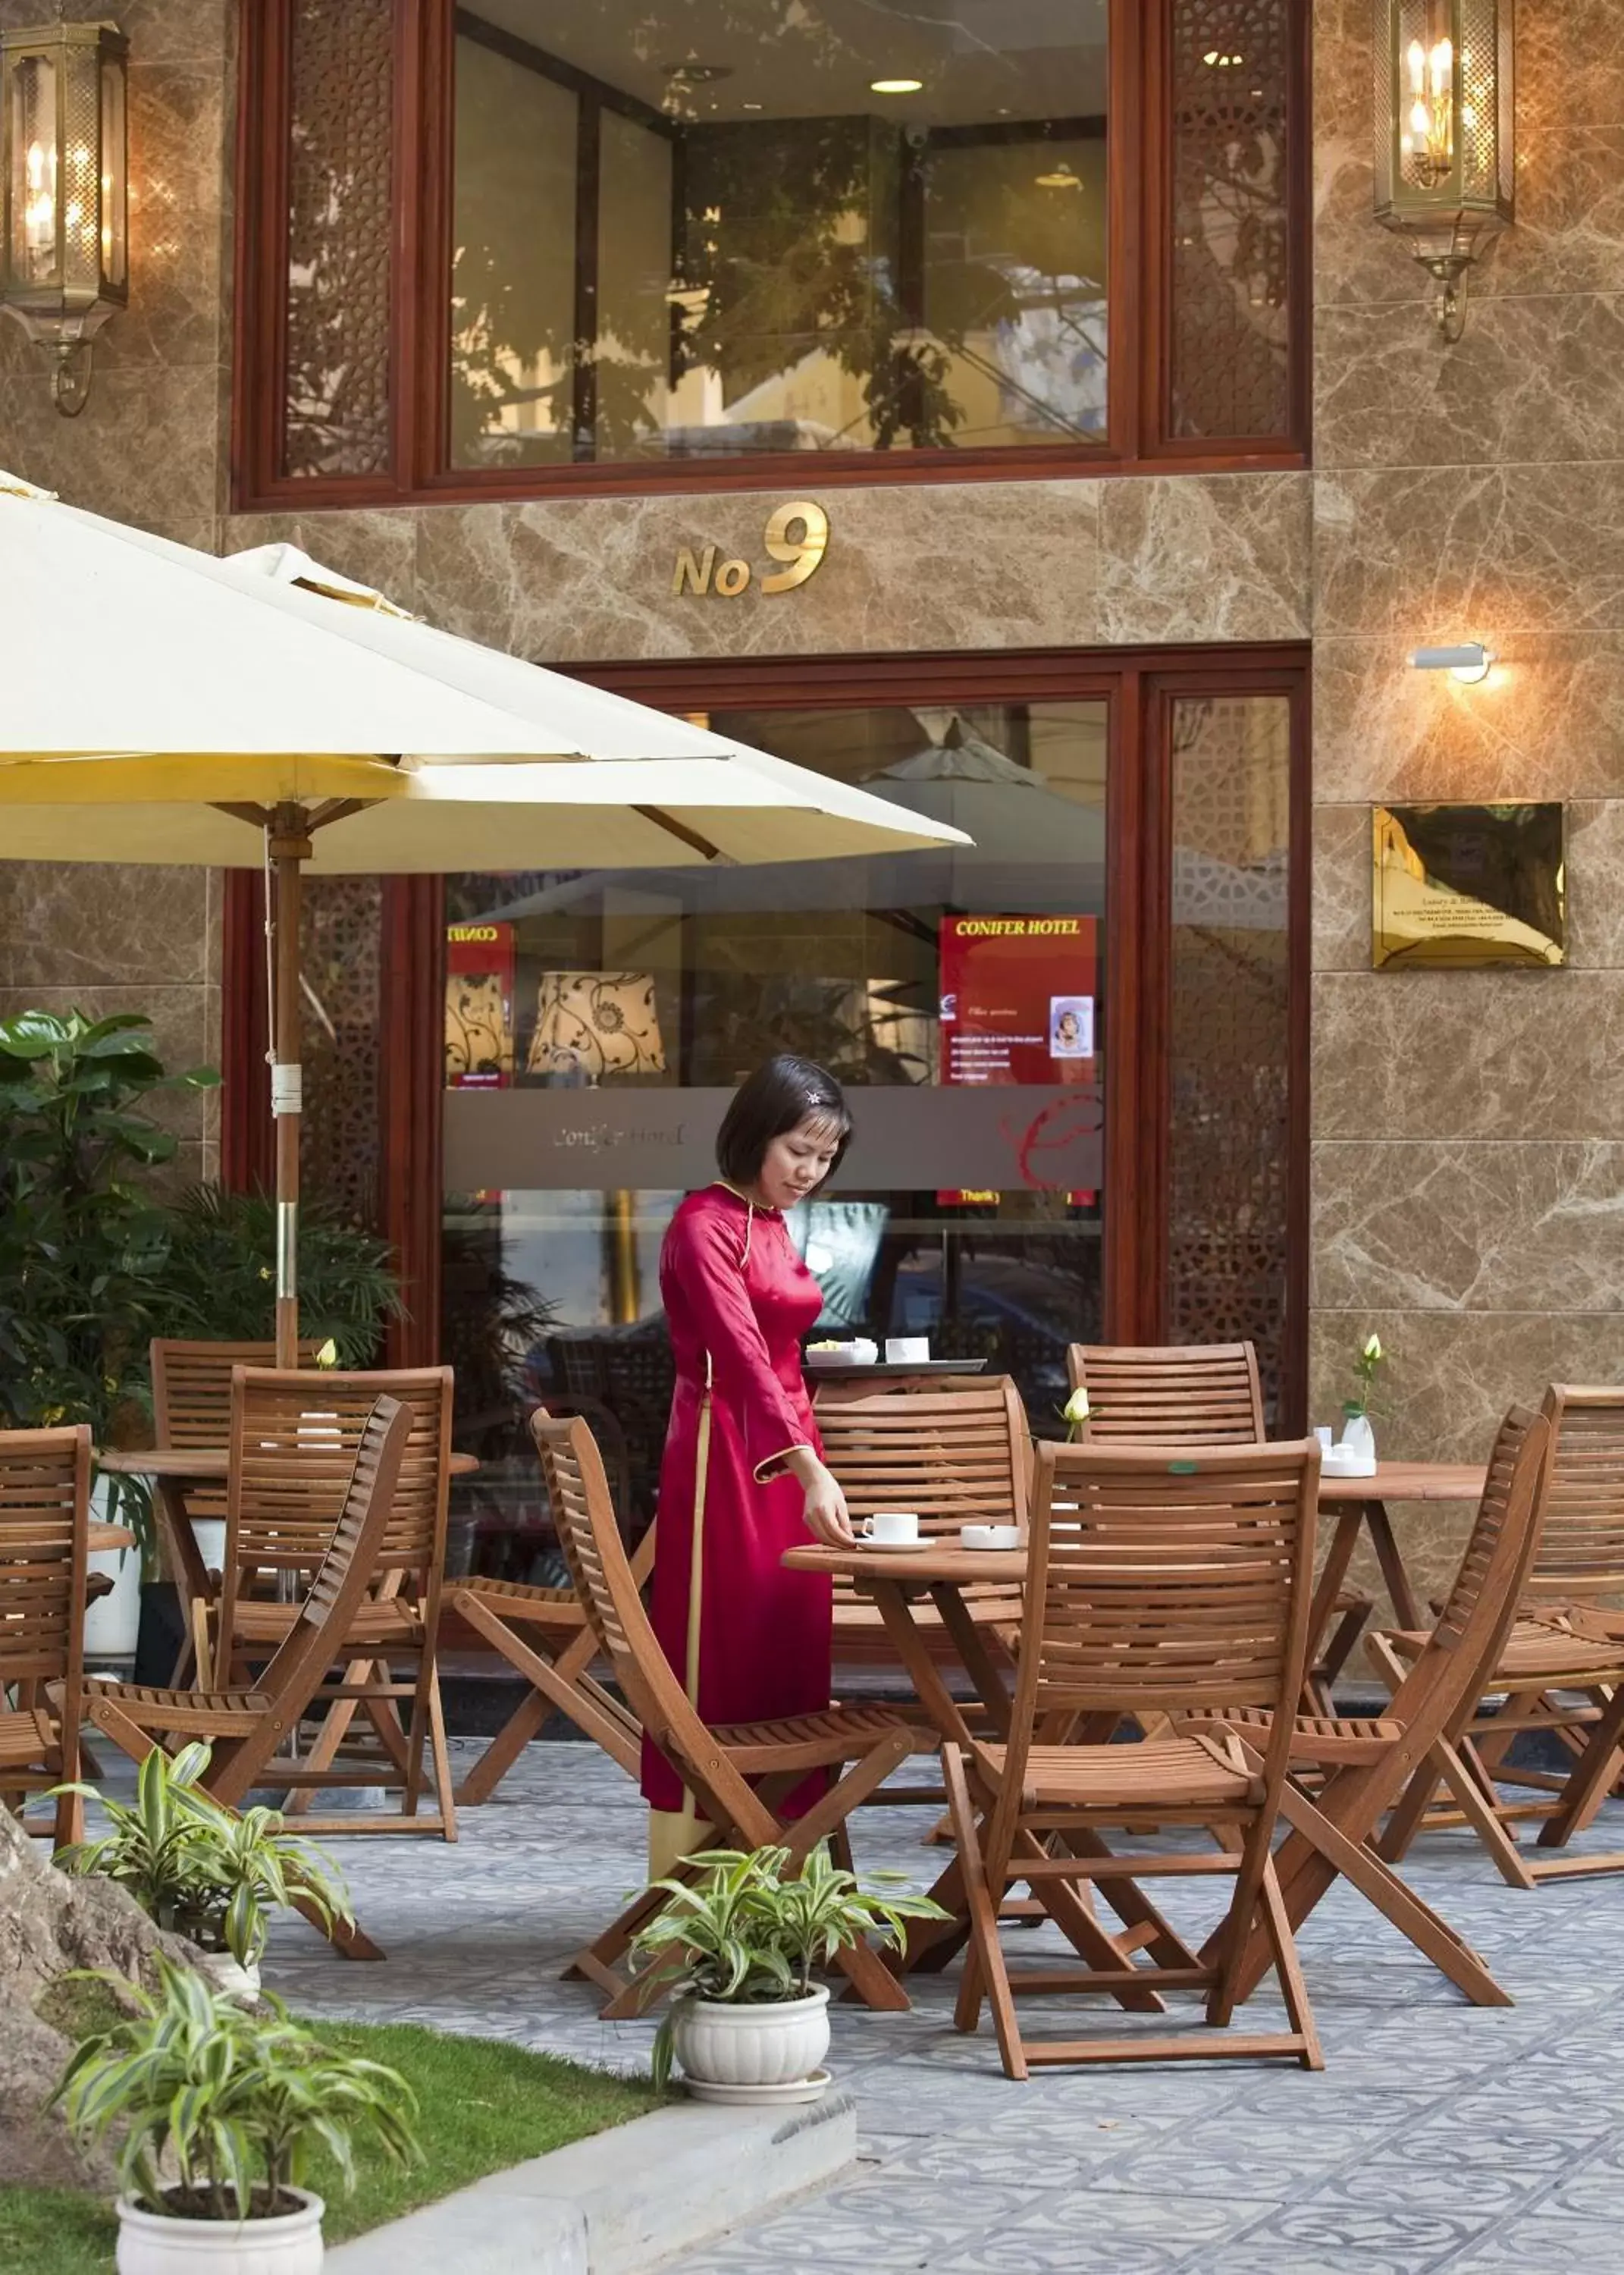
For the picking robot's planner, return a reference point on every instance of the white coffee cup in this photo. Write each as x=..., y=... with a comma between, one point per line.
x=893, y=1528
x=908, y=1350
x=989, y=1535
x=864, y=1353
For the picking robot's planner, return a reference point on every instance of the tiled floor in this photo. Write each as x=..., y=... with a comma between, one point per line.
x=1438, y=2137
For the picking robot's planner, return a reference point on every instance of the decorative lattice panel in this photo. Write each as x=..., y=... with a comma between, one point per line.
x=1229, y=214
x=339, y=232
x=342, y=947
x=1230, y=1069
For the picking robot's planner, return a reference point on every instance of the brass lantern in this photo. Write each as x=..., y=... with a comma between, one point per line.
x=65, y=267
x=1444, y=142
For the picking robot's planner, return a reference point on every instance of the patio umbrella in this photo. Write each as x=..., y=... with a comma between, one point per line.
x=244, y=712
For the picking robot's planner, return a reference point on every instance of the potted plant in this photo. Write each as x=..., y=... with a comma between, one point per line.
x=739, y=1948
x=196, y=1868
x=83, y=1249
x=231, y=2101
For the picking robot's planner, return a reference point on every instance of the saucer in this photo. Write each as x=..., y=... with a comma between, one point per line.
x=894, y=1548
x=803, y=2088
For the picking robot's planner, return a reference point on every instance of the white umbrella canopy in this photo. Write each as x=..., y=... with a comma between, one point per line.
x=242, y=712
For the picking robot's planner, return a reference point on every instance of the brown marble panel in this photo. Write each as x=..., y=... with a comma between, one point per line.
x=1205, y=557
x=145, y=449
x=1595, y=883
x=994, y=565
x=176, y=313
x=376, y=547
x=1549, y=723
x=1342, y=889
x=1568, y=235
x=1473, y=1228
x=1449, y=1376
x=180, y=1035
x=1537, y=376
x=1439, y=1055
x=81, y=925
x=1588, y=1350
x=1423, y=553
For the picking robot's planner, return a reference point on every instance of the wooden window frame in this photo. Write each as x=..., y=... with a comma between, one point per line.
x=1138, y=376
x=1140, y=687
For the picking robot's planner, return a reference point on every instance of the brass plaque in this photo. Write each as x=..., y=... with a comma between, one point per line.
x=1469, y=885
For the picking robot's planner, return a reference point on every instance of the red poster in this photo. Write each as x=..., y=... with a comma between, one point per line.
x=1018, y=998
x=479, y=1007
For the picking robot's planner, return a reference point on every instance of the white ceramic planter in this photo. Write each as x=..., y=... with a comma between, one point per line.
x=113, y=1622
x=749, y=2048
x=1358, y=1439
x=236, y=1981
x=152, y=2244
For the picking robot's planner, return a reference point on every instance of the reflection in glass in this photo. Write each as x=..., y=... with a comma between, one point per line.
x=674, y=984
x=1229, y=1042
x=686, y=229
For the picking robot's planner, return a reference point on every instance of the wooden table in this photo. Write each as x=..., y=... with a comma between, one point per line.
x=1363, y=1501
x=178, y=1470
x=940, y=1570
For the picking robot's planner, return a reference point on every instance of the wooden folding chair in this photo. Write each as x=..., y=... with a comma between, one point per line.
x=544, y=1635
x=1156, y=1586
x=1560, y=1668
x=293, y=1440
x=739, y=1773
x=44, y=1532
x=249, y=1728
x=1209, y=1394
x=191, y=1406
x=1367, y=1765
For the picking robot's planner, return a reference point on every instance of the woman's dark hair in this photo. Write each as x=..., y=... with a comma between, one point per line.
x=778, y=1098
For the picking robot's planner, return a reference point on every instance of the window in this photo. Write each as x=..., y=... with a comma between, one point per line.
x=677, y=242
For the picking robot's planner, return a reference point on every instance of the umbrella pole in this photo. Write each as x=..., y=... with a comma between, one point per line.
x=288, y=847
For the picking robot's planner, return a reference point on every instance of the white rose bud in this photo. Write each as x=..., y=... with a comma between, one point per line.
x=1075, y=1408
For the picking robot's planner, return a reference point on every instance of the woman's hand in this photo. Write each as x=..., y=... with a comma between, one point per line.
x=824, y=1512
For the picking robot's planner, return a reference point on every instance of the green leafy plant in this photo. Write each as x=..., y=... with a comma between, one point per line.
x=237, y=2099
x=195, y=1867
x=83, y=1246
x=752, y=1933
x=220, y=1275
x=1370, y=1357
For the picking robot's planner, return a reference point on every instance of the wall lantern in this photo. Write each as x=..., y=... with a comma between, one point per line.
x=1443, y=143
x=64, y=263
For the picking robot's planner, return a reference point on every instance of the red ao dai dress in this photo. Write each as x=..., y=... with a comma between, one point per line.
x=748, y=1640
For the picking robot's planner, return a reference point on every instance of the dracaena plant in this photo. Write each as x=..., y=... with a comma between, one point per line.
x=199, y=1869
x=84, y=1243
x=754, y=1933
x=232, y=2101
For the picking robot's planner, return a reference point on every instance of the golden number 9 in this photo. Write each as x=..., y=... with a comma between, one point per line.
x=803, y=553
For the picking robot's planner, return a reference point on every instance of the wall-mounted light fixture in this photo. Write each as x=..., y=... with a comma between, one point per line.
x=64, y=264
x=1469, y=661
x=1445, y=161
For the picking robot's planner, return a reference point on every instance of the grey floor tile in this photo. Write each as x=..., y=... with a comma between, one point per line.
x=1439, y=2135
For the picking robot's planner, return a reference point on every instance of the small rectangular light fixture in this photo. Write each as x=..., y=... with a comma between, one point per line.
x=1469, y=660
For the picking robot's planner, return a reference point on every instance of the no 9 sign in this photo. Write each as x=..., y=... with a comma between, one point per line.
x=803, y=553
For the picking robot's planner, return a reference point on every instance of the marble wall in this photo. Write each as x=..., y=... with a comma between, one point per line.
x=1469, y=1179
x=149, y=447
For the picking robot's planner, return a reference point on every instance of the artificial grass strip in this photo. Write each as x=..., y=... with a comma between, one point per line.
x=483, y=2104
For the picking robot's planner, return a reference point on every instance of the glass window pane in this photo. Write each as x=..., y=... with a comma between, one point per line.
x=513, y=266
x=597, y=1024
x=1229, y=1045
x=1230, y=369
x=340, y=238
x=797, y=225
